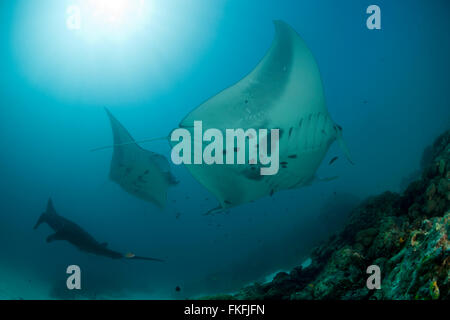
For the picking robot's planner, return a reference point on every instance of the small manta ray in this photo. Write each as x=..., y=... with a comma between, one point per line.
x=142, y=173
x=71, y=232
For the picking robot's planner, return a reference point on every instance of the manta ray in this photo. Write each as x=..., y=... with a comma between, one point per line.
x=283, y=92
x=142, y=173
x=69, y=231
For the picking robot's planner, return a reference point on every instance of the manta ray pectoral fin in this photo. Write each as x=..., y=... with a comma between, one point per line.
x=118, y=141
x=120, y=133
x=54, y=237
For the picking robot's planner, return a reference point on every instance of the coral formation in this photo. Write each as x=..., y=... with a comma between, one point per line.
x=406, y=235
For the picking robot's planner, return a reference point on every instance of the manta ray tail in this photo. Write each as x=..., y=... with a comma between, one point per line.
x=128, y=143
x=213, y=211
x=148, y=259
x=132, y=256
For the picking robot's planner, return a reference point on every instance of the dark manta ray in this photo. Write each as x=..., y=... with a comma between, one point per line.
x=69, y=231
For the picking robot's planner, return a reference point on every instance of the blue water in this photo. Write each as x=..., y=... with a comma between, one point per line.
x=387, y=88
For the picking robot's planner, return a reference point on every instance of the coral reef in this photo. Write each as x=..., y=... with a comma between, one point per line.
x=406, y=235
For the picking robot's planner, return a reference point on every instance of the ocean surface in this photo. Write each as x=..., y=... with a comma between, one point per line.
x=60, y=68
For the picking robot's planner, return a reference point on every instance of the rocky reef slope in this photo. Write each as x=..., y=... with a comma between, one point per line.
x=406, y=235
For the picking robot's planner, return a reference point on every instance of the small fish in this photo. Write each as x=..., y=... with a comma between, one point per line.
x=272, y=192
x=292, y=156
x=130, y=255
x=283, y=163
x=177, y=289
x=290, y=131
x=333, y=160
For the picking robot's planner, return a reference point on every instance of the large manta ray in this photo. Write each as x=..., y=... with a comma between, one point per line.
x=283, y=92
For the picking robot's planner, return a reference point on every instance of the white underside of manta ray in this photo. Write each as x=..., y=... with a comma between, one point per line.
x=283, y=92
